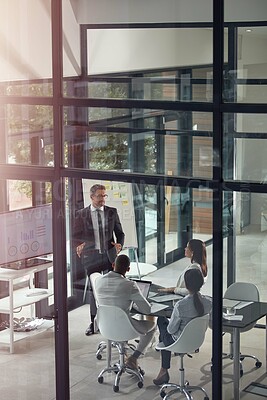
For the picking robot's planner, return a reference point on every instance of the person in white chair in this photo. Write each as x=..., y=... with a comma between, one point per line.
x=115, y=289
x=191, y=306
x=196, y=251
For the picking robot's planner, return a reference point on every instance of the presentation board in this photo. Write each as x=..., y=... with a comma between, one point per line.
x=26, y=233
x=120, y=196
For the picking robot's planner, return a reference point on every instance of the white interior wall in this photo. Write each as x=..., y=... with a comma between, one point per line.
x=26, y=42
x=254, y=50
x=124, y=50
x=130, y=11
x=23, y=26
x=71, y=42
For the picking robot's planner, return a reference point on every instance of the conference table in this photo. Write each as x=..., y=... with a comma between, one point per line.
x=251, y=313
x=140, y=269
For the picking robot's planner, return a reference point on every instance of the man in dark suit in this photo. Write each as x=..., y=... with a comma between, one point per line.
x=99, y=235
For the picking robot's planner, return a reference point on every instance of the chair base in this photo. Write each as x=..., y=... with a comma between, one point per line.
x=184, y=389
x=230, y=356
x=102, y=346
x=120, y=368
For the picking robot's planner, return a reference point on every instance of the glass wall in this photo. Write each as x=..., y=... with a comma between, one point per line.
x=26, y=288
x=136, y=98
x=29, y=135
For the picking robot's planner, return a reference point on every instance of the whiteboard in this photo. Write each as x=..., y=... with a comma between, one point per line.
x=120, y=196
x=26, y=233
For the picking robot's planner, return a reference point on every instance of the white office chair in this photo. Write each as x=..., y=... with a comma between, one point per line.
x=190, y=339
x=115, y=325
x=246, y=292
x=103, y=345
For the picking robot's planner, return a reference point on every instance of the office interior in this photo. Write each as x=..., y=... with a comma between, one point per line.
x=168, y=97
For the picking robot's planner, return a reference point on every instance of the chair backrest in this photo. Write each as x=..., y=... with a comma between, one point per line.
x=114, y=324
x=93, y=277
x=242, y=291
x=192, y=336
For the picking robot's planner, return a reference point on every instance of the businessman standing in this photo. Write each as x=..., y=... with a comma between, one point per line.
x=99, y=238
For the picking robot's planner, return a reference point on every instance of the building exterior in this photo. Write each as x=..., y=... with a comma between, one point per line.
x=169, y=96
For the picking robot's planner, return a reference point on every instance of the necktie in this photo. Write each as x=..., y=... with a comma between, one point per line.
x=101, y=233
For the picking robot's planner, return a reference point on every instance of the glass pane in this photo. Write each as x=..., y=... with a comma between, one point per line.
x=25, y=66
x=188, y=214
x=26, y=281
x=28, y=135
x=159, y=235
x=245, y=228
x=244, y=137
x=246, y=82
x=149, y=141
x=172, y=76
x=148, y=221
x=247, y=224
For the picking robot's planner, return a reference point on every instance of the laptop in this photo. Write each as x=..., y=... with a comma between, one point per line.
x=144, y=287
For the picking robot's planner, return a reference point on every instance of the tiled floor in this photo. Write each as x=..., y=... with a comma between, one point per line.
x=198, y=368
x=29, y=373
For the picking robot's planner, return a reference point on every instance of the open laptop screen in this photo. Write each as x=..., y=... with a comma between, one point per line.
x=144, y=286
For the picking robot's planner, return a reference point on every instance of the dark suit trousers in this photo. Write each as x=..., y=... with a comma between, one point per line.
x=93, y=261
x=167, y=339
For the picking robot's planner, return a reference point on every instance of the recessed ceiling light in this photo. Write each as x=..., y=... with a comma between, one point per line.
x=248, y=30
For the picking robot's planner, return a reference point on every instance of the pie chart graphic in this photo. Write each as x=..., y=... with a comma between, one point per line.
x=24, y=248
x=12, y=251
x=35, y=245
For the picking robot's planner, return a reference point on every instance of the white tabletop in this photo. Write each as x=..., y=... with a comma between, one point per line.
x=144, y=268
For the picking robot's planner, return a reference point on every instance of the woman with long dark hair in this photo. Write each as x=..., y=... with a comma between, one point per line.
x=196, y=251
x=191, y=306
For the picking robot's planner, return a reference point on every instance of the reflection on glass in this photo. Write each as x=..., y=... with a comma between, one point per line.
x=245, y=227
x=244, y=137
x=29, y=135
x=247, y=82
x=146, y=141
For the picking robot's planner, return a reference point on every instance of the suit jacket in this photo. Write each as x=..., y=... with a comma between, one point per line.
x=84, y=232
x=114, y=289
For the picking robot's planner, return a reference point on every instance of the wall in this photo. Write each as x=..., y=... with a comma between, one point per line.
x=129, y=11
x=25, y=34
x=123, y=50
x=26, y=41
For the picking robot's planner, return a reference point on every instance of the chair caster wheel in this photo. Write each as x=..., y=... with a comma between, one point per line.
x=162, y=394
x=99, y=357
x=206, y=398
x=258, y=364
x=241, y=373
x=142, y=372
x=116, y=388
x=100, y=379
x=140, y=384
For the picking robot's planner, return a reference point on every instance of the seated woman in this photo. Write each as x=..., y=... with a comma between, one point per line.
x=192, y=306
x=196, y=251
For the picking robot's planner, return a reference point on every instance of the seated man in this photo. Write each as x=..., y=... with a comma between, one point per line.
x=114, y=289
